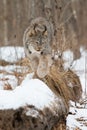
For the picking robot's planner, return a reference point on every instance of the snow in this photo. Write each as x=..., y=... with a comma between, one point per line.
x=78, y=119
x=11, y=54
x=35, y=92
x=31, y=92
x=81, y=67
x=68, y=58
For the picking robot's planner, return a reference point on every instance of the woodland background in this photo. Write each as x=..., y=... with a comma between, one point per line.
x=15, y=16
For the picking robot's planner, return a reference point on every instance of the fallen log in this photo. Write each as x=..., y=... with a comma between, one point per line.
x=53, y=108
x=20, y=120
x=37, y=108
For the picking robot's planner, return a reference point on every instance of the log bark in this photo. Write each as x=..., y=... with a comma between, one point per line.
x=30, y=118
x=17, y=120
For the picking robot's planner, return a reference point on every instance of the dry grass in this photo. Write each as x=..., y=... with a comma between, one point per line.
x=21, y=62
x=19, y=75
x=59, y=83
x=7, y=86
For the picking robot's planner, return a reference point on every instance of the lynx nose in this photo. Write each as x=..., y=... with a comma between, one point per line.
x=41, y=52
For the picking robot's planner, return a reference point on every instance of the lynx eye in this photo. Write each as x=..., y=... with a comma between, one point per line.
x=37, y=42
x=41, y=53
x=30, y=52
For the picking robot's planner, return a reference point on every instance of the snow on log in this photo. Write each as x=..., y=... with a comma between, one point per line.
x=32, y=106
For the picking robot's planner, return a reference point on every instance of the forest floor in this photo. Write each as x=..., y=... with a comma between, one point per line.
x=14, y=67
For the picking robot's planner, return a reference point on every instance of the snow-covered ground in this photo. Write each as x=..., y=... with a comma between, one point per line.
x=29, y=92
x=11, y=54
x=76, y=120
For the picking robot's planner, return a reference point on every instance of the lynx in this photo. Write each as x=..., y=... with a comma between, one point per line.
x=37, y=41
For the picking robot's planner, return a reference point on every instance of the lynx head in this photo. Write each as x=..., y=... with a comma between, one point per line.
x=39, y=36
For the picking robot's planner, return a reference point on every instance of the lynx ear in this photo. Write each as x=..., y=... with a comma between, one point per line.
x=45, y=33
x=31, y=33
